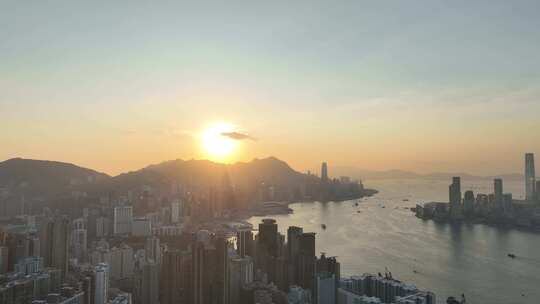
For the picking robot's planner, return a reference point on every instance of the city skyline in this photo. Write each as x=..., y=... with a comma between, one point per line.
x=269, y=152
x=420, y=87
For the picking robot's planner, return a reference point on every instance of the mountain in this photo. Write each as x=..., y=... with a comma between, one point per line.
x=44, y=179
x=50, y=179
x=401, y=174
x=204, y=174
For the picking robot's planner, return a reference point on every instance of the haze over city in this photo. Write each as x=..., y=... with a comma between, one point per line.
x=425, y=86
x=269, y=152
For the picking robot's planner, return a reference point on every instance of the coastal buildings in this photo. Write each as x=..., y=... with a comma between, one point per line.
x=371, y=288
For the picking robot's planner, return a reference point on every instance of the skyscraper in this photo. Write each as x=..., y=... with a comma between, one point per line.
x=324, y=172
x=57, y=244
x=267, y=247
x=176, y=277
x=101, y=284
x=468, y=202
x=244, y=242
x=306, y=261
x=268, y=237
x=150, y=283
x=152, y=250
x=530, y=177
x=293, y=248
x=498, y=192
x=455, y=197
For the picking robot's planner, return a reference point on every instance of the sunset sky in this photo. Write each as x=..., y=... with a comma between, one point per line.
x=414, y=85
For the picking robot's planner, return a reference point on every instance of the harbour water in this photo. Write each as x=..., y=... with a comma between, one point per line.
x=448, y=259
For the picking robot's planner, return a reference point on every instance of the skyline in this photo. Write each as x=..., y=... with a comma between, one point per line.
x=420, y=87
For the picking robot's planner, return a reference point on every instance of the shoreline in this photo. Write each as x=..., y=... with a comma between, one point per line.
x=262, y=209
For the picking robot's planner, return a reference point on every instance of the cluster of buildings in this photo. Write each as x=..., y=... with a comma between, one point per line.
x=498, y=207
x=378, y=289
x=178, y=246
x=49, y=260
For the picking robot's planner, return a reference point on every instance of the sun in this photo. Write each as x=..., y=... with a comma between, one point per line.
x=215, y=145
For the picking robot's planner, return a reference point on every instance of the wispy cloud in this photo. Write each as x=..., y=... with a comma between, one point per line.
x=238, y=136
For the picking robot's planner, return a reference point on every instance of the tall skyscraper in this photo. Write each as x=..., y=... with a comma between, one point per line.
x=78, y=244
x=293, y=248
x=498, y=192
x=57, y=244
x=267, y=247
x=101, y=284
x=325, y=288
x=208, y=268
x=268, y=237
x=240, y=274
x=150, y=283
x=468, y=202
x=324, y=172
x=152, y=250
x=176, y=277
x=306, y=261
x=455, y=197
x=244, y=242
x=530, y=177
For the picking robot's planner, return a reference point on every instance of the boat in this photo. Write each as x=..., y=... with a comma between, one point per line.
x=323, y=226
x=511, y=255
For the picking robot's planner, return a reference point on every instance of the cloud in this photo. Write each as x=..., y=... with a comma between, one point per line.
x=238, y=136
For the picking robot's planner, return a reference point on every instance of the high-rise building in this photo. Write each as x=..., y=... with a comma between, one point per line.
x=293, y=248
x=152, y=250
x=176, y=277
x=324, y=172
x=268, y=236
x=122, y=219
x=175, y=211
x=306, y=261
x=468, y=202
x=202, y=261
x=78, y=244
x=498, y=192
x=122, y=262
x=325, y=288
x=222, y=269
x=244, y=244
x=330, y=265
x=57, y=244
x=100, y=283
x=3, y=259
x=150, y=283
x=530, y=177
x=240, y=274
x=267, y=247
x=455, y=197
x=538, y=190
